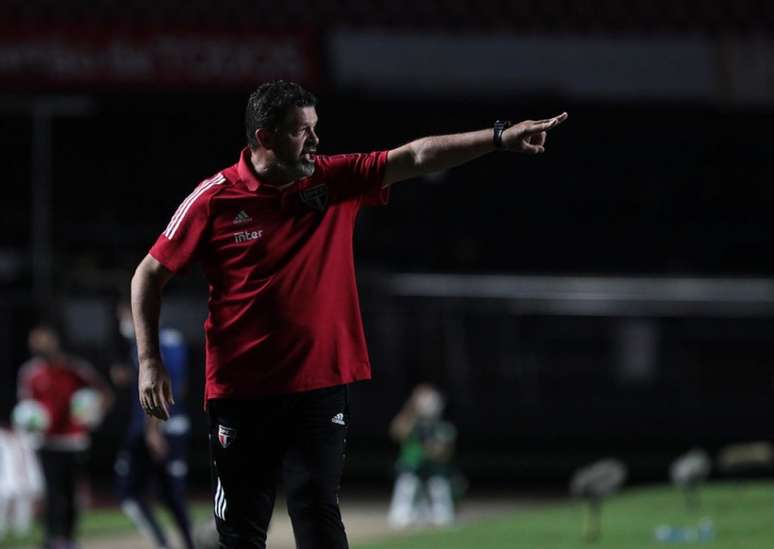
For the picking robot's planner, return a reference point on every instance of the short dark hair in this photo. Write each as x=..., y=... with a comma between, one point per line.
x=269, y=103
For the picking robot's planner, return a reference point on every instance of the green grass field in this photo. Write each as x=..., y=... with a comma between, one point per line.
x=103, y=523
x=742, y=514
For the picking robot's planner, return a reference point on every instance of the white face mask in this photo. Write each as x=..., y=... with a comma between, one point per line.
x=126, y=327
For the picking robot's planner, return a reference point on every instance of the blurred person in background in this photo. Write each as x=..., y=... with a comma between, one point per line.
x=154, y=454
x=21, y=480
x=284, y=336
x=423, y=491
x=64, y=397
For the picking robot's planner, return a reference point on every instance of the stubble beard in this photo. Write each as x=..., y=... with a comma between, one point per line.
x=297, y=169
x=306, y=169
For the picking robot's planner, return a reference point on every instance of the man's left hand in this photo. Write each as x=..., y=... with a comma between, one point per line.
x=529, y=136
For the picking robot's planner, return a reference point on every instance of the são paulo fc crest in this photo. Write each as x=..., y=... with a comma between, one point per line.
x=226, y=435
x=315, y=197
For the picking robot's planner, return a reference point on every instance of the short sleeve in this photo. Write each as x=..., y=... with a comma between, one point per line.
x=27, y=371
x=359, y=175
x=177, y=246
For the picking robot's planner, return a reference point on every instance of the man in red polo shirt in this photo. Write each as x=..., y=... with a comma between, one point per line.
x=53, y=379
x=284, y=334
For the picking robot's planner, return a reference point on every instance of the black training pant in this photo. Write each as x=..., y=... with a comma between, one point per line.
x=61, y=469
x=298, y=437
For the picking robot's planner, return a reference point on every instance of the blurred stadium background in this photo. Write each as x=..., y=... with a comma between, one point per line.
x=612, y=297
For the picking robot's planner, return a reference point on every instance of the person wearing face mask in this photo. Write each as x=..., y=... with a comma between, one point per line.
x=154, y=454
x=423, y=491
x=74, y=398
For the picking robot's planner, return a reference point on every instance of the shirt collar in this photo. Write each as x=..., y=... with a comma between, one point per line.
x=246, y=173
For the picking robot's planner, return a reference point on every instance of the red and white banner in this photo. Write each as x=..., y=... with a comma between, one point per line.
x=157, y=59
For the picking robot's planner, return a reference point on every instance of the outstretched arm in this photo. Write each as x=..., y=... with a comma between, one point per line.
x=430, y=154
x=155, y=387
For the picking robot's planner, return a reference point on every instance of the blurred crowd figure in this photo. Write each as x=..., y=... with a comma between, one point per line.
x=154, y=453
x=425, y=485
x=21, y=482
x=61, y=399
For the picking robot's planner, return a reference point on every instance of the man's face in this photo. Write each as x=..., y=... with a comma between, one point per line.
x=296, y=142
x=43, y=341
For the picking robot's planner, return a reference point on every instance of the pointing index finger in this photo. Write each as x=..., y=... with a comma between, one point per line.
x=552, y=122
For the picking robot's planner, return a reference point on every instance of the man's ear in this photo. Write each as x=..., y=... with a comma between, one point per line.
x=265, y=138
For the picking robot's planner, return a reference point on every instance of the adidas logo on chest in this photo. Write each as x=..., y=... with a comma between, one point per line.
x=241, y=218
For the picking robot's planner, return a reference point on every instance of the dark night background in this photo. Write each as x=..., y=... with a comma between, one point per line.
x=649, y=192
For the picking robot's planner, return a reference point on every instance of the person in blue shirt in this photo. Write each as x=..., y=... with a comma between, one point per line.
x=154, y=453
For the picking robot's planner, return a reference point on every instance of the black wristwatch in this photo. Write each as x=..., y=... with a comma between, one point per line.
x=497, y=137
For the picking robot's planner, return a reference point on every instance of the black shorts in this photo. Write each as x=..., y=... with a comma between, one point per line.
x=299, y=438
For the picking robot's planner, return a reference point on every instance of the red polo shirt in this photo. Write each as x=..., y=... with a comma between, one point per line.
x=283, y=306
x=53, y=382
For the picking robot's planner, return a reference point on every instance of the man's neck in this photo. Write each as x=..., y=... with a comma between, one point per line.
x=268, y=172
